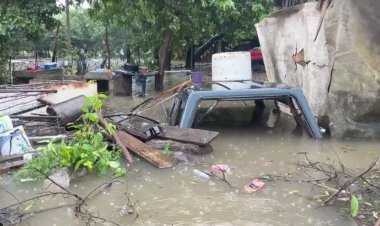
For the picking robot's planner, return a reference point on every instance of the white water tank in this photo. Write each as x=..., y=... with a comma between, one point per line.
x=231, y=66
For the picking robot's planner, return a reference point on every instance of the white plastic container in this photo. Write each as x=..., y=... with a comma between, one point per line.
x=201, y=175
x=231, y=66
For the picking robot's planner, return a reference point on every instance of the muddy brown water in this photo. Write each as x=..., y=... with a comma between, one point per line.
x=175, y=197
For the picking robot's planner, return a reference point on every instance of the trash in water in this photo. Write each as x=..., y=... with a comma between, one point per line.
x=294, y=192
x=201, y=175
x=220, y=168
x=254, y=186
x=14, y=142
x=266, y=177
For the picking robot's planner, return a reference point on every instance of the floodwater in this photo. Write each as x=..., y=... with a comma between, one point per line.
x=175, y=197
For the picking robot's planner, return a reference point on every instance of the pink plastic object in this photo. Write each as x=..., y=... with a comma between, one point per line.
x=254, y=186
x=220, y=168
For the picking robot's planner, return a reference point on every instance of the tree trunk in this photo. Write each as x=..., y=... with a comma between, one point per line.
x=168, y=34
x=168, y=61
x=189, y=57
x=68, y=26
x=54, y=58
x=108, y=49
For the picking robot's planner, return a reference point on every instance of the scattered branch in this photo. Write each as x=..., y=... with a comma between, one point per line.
x=348, y=183
x=85, y=215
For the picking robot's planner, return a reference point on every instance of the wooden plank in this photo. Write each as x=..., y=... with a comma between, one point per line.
x=181, y=147
x=188, y=135
x=8, y=158
x=152, y=155
x=4, y=167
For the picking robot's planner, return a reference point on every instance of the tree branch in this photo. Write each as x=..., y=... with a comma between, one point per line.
x=348, y=183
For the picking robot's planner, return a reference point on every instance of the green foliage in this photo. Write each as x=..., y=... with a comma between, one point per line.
x=192, y=21
x=48, y=161
x=88, y=149
x=20, y=21
x=354, y=206
x=166, y=150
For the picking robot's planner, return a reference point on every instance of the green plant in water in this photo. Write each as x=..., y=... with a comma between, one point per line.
x=166, y=149
x=46, y=163
x=354, y=205
x=88, y=148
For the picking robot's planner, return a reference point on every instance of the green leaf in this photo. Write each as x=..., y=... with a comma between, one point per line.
x=113, y=164
x=78, y=164
x=354, y=206
x=88, y=164
x=93, y=117
x=102, y=96
x=88, y=100
x=85, y=109
x=120, y=172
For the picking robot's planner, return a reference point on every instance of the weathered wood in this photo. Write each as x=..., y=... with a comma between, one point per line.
x=182, y=147
x=8, y=158
x=28, y=91
x=6, y=166
x=152, y=155
x=47, y=138
x=115, y=138
x=39, y=118
x=187, y=135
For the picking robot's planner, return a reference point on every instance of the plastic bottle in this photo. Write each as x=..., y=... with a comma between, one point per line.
x=201, y=175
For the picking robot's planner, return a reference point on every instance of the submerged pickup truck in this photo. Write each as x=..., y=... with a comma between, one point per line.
x=187, y=109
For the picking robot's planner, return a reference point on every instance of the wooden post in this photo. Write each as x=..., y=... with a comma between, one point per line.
x=152, y=155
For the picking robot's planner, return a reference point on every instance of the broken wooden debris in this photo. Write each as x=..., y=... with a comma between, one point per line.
x=39, y=139
x=6, y=166
x=188, y=135
x=34, y=117
x=8, y=158
x=11, y=216
x=115, y=137
x=152, y=155
x=176, y=146
x=28, y=91
x=14, y=161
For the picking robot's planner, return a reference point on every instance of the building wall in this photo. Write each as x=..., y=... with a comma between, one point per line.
x=339, y=69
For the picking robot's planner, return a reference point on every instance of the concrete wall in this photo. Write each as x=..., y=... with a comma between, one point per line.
x=286, y=33
x=339, y=72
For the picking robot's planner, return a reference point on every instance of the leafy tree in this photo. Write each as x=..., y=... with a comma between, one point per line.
x=162, y=25
x=22, y=20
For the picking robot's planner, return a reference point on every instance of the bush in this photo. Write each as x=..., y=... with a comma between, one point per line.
x=88, y=148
